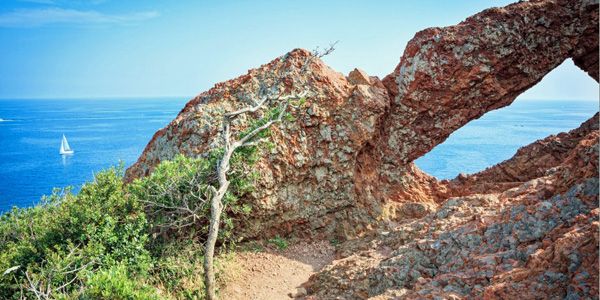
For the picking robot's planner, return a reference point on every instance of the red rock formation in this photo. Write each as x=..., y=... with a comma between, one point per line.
x=306, y=182
x=536, y=239
x=450, y=76
x=532, y=161
x=526, y=227
x=347, y=160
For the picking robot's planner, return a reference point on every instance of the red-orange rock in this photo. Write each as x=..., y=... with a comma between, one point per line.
x=306, y=182
x=358, y=76
x=347, y=160
x=449, y=76
x=538, y=159
x=520, y=242
x=525, y=228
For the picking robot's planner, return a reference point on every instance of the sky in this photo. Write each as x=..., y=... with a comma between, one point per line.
x=152, y=48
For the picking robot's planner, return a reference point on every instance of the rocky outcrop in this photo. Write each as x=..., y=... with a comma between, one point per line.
x=345, y=163
x=530, y=162
x=525, y=228
x=536, y=239
x=493, y=246
x=306, y=181
x=450, y=76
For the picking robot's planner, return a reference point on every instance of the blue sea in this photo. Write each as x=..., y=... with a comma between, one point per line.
x=497, y=135
x=105, y=131
x=102, y=132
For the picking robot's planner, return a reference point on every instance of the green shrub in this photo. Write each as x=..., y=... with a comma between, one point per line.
x=178, y=269
x=58, y=241
x=115, y=283
x=177, y=195
x=280, y=242
x=112, y=241
x=182, y=182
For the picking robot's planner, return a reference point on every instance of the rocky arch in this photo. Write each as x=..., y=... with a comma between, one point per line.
x=452, y=75
x=496, y=142
x=347, y=161
x=449, y=76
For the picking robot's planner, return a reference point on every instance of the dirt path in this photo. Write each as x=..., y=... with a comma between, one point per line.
x=273, y=274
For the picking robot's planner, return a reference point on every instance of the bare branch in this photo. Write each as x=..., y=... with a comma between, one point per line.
x=326, y=52
x=185, y=206
x=229, y=148
x=253, y=143
x=244, y=110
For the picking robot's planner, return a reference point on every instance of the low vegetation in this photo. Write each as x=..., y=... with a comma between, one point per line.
x=69, y=245
x=109, y=242
x=279, y=242
x=144, y=240
x=154, y=238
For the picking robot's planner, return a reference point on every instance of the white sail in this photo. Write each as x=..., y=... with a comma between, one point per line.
x=64, y=146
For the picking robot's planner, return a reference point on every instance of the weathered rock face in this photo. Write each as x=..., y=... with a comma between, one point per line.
x=449, y=76
x=537, y=239
x=525, y=228
x=498, y=246
x=346, y=162
x=306, y=182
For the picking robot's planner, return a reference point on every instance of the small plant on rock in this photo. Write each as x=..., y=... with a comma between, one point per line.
x=279, y=242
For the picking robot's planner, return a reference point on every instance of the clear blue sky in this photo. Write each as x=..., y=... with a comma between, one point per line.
x=96, y=48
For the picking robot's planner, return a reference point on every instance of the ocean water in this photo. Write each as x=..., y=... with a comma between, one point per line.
x=497, y=135
x=105, y=131
x=102, y=132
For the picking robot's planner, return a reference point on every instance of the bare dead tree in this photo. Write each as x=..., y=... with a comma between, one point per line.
x=177, y=207
x=230, y=145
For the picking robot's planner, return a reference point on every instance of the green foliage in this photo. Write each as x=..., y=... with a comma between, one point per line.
x=186, y=182
x=66, y=236
x=334, y=242
x=116, y=283
x=280, y=242
x=178, y=269
x=176, y=238
x=96, y=244
x=269, y=115
x=112, y=241
x=180, y=182
x=298, y=103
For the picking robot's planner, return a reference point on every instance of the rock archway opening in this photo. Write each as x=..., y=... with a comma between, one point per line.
x=560, y=102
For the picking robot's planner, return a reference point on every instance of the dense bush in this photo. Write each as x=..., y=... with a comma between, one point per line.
x=178, y=269
x=115, y=283
x=105, y=242
x=177, y=194
x=53, y=247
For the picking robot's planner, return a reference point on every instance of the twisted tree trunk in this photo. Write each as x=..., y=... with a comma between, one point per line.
x=216, y=203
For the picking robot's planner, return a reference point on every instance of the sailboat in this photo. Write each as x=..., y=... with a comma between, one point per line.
x=64, y=146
